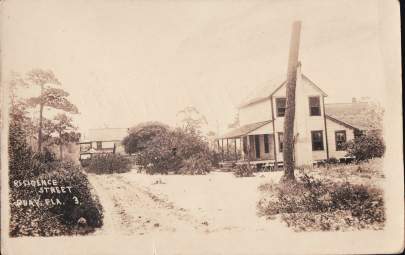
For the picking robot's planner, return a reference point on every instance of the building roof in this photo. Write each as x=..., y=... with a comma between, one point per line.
x=106, y=134
x=269, y=88
x=359, y=115
x=244, y=130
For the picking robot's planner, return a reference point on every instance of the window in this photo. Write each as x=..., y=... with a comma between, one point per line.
x=99, y=145
x=317, y=140
x=280, y=106
x=266, y=144
x=340, y=139
x=280, y=141
x=358, y=133
x=85, y=147
x=314, y=106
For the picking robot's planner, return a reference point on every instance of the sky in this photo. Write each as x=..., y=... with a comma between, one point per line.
x=126, y=62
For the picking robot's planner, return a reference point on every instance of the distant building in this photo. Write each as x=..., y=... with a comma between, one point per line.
x=320, y=129
x=102, y=141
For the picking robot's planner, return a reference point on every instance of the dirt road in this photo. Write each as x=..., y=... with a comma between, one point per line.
x=138, y=204
x=131, y=209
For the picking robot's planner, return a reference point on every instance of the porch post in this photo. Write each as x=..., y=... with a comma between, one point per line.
x=236, y=154
x=248, y=150
x=222, y=149
x=274, y=135
x=242, y=156
x=227, y=147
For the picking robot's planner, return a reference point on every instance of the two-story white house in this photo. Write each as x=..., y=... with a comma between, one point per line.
x=320, y=130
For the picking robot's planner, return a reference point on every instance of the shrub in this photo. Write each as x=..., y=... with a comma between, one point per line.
x=196, y=164
x=312, y=204
x=331, y=161
x=63, y=219
x=108, y=164
x=140, y=136
x=79, y=203
x=243, y=171
x=366, y=146
x=178, y=150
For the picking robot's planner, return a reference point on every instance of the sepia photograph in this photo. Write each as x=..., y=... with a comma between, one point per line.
x=201, y=127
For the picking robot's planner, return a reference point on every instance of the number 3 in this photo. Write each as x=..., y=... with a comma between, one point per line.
x=76, y=200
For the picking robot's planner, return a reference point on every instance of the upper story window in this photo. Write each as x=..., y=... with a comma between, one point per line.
x=340, y=139
x=314, y=106
x=280, y=106
x=99, y=145
x=317, y=140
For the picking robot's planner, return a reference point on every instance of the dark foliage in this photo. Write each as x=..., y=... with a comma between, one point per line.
x=196, y=164
x=160, y=149
x=140, y=136
x=108, y=164
x=311, y=204
x=331, y=161
x=47, y=219
x=243, y=171
x=366, y=146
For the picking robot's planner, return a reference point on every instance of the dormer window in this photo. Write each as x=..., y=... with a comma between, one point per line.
x=280, y=106
x=314, y=106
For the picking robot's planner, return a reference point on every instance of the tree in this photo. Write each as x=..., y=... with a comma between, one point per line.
x=140, y=135
x=160, y=149
x=288, y=148
x=65, y=130
x=49, y=97
x=18, y=108
x=191, y=119
x=15, y=82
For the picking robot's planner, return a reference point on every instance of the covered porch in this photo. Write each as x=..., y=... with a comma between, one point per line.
x=252, y=144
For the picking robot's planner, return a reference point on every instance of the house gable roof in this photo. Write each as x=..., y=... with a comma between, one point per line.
x=340, y=122
x=265, y=92
x=358, y=115
x=244, y=130
x=106, y=134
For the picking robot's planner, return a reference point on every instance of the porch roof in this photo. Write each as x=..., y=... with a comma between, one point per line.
x=244, y=130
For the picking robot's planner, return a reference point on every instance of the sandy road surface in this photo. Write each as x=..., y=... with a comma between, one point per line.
x=131, y=209
x=138, y=204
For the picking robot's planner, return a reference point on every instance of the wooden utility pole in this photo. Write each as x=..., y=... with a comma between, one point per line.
x=288, y=147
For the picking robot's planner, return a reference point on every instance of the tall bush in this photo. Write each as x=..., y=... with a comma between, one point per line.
x=108, y=164
x=178, y=150
x=140, y=136
x=366, y=146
